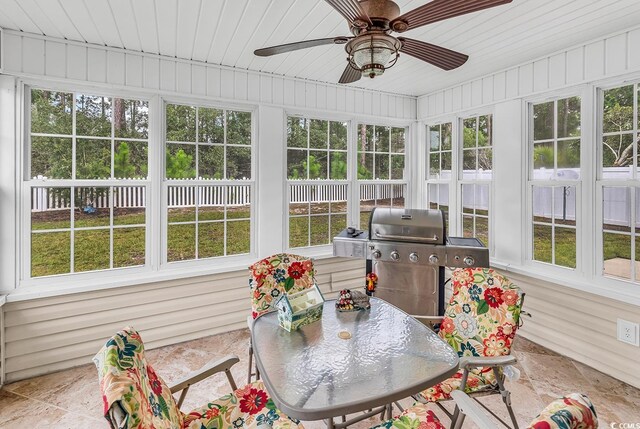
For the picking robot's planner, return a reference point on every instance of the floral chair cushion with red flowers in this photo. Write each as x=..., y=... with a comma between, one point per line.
x=143, y=400
x=128, y=383
x=574, y=411
x=248, y=407
x=417, y=416
x=275, y=275
x=481, y=319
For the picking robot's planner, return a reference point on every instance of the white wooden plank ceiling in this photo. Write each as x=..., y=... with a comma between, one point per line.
x=228, y=31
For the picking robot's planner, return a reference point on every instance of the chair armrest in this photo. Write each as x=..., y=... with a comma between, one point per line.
x=206, y=371
x=469, y=362
x=471, y=409
x=428, y=318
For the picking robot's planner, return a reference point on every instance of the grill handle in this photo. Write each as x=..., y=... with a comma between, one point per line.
x=433, y=239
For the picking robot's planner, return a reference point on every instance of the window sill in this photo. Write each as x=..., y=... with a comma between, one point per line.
x=66, y=286
x=609, y=288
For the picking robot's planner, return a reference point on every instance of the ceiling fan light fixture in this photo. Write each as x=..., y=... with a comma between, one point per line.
x=372, y=54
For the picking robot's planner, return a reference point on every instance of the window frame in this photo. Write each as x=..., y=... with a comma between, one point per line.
x=358, y=183
x=27, y=184
x=165, y=184
x=461, y=181
x=631, y=183
x=154, y=270
x=452, y=225
x=353, y=190
x=321, y=249
x=456, y=182
x=578, y=184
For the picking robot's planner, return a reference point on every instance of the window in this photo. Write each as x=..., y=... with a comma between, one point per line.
x=555, y=180
x=87, y=181
x=618, y=183
x=317, y=180
x=381, y=162
x=439, y=162
x=208, y=182
x=476, y=175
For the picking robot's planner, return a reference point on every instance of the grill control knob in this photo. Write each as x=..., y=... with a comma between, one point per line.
x=469, y=261
x=376, y=254
x=413, y=257
x=395, y=255
x=434, y=259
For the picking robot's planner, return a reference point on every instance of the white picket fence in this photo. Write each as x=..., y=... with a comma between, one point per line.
x=560, y=203
x=617, y=202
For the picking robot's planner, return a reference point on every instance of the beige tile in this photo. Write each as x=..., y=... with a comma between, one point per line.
x=71, y=398
x=553, y=375
x=607, y=384
x=75, y=389
x=18, y=411
x=523, y=345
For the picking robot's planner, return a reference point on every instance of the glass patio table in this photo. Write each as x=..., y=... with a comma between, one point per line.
x=349, y=361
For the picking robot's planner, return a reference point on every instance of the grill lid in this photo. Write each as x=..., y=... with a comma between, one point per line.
x=407, y=225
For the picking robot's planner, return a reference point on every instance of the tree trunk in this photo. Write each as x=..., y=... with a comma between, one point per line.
x=118, y=114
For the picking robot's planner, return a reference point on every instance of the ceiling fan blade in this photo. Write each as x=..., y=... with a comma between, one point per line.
x=350, y=75
x=437, y=55
x=351, y=9
x=288, y=47
x=438, y=10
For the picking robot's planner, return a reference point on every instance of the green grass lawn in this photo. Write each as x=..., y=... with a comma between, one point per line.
x=51, y=251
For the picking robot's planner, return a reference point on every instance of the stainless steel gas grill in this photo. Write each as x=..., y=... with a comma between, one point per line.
x=408, y=250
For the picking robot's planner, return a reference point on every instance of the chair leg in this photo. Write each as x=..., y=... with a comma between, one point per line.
x=506, y=397
x=250, y=370
x=459, y=420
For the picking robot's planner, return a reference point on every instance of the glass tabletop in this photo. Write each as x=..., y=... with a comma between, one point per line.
x=313, y=373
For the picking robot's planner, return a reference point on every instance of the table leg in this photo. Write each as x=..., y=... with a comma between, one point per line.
x=330, y=424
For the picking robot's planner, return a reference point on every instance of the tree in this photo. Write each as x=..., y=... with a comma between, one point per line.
x=180, y=165
x=314, y=168
x=122, y=167
x=338, y=166
x=618, y=118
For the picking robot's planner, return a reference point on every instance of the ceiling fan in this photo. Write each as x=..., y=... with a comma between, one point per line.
x=372, y=49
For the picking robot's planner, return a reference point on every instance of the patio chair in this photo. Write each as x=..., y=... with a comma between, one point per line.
x=573, y=411
x=480, y=323
x=268, y=279
x=135, y=396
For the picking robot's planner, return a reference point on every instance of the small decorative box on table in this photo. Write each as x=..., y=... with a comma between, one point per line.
x=299, y=309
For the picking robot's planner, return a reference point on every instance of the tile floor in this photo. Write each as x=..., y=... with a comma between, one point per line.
x=71, y=398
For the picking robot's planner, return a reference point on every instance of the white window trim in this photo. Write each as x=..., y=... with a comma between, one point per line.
x=455, y=228
x=632, y=183
x=461, y=181
x=27, y=183
x=165, y=184
x=155, y=251
x=406, y=180
x=352, y=182
x=586, y=136
x=452, y=227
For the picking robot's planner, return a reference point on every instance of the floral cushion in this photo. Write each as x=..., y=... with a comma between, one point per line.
x=275, y=275
x=479, y=379
x=128, y=382
x=574, y=411
x=417, y=416
x=248, y=407
x=481, y=319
